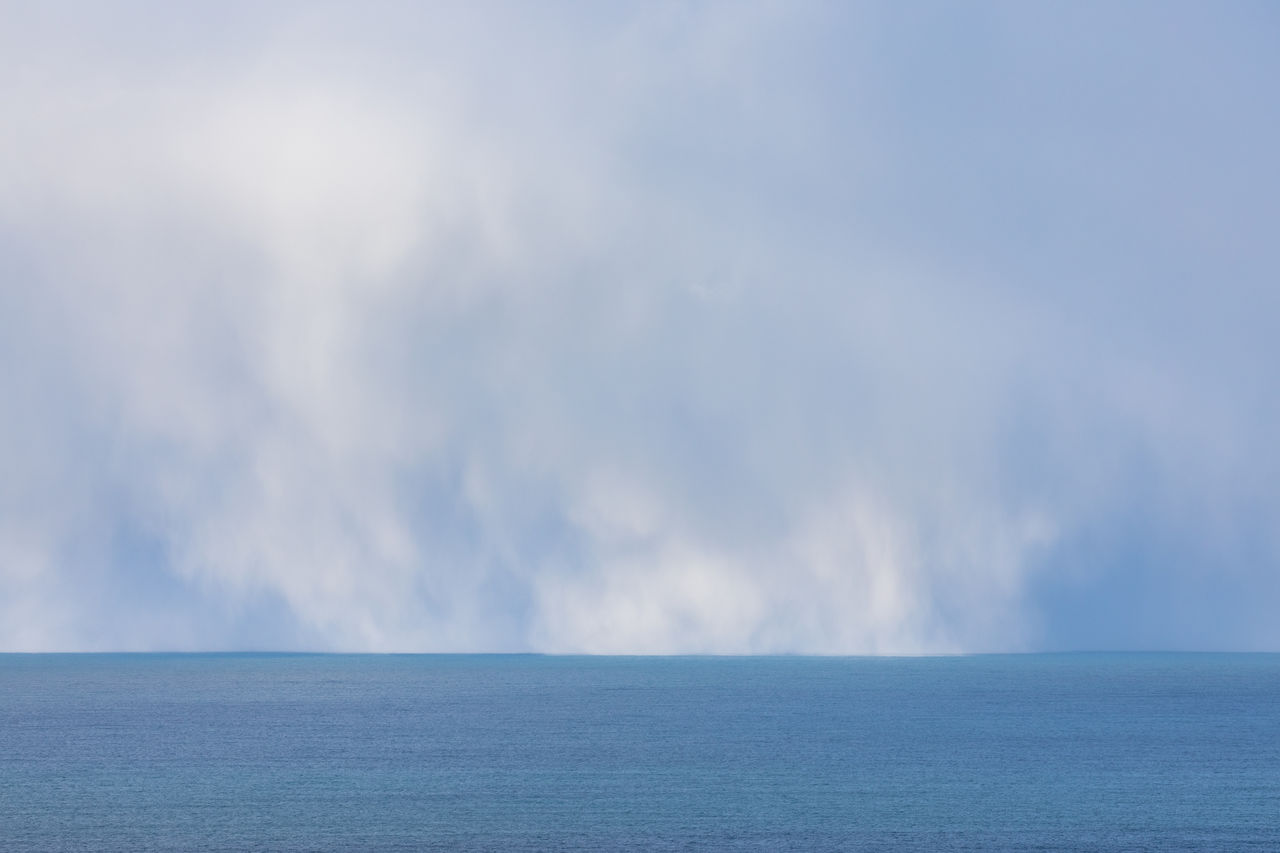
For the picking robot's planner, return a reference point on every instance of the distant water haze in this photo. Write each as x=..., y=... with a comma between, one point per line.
x=740, y=327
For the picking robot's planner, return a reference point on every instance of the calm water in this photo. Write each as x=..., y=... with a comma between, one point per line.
x=1043, y=752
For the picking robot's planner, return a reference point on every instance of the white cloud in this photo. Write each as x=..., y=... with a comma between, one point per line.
x=591, y=340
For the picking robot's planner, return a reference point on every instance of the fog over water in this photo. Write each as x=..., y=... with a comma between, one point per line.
x=657, y=327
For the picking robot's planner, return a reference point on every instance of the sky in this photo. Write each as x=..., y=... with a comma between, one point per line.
x=655, y=327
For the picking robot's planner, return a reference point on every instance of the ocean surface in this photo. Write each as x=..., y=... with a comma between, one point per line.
x=1159, y=752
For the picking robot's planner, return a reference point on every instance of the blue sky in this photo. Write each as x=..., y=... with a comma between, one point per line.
x=657, y=327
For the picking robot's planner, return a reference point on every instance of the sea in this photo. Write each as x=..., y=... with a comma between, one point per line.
x=284, y=752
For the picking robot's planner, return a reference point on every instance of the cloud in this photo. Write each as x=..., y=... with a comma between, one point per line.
x=664, y=328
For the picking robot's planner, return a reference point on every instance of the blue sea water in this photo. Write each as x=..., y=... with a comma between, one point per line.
x=336, y=752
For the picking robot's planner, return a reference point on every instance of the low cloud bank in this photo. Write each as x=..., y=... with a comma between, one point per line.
x=717, y=328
